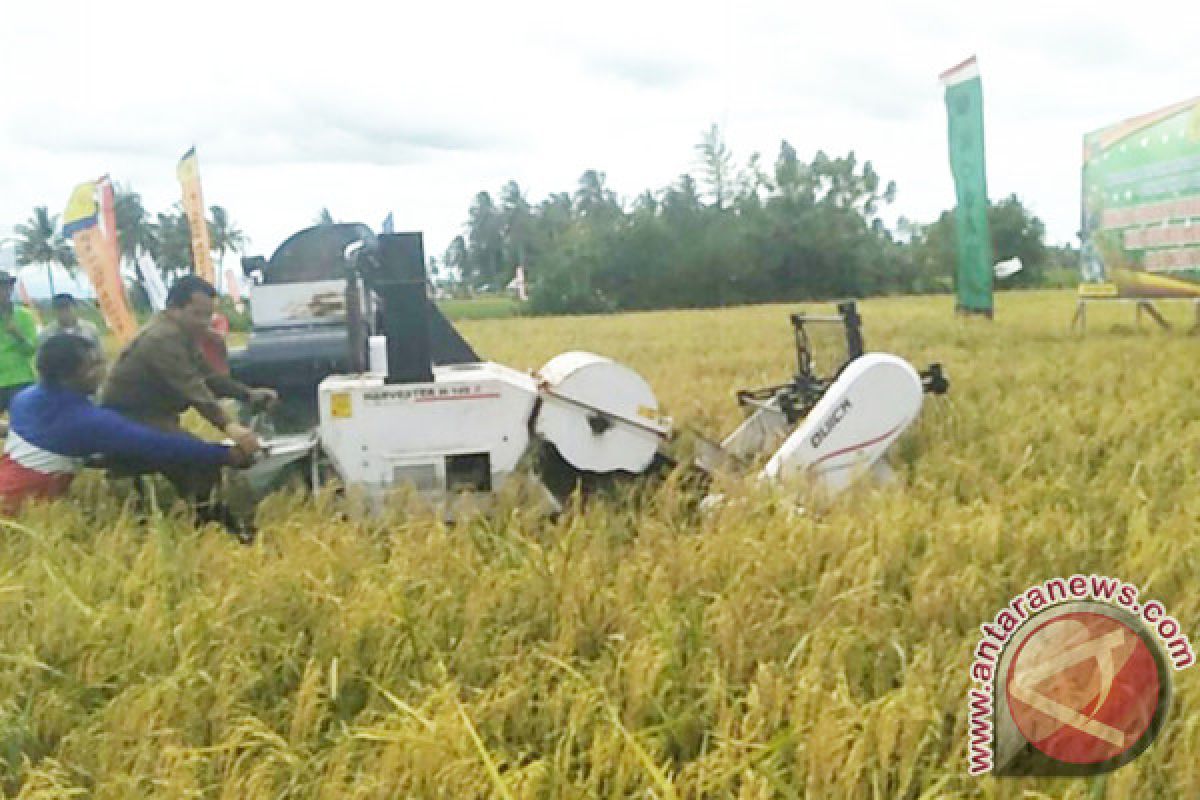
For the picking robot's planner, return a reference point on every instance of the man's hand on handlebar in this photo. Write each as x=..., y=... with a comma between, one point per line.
x=239, y=458
x=244, y=439
x=263, y=399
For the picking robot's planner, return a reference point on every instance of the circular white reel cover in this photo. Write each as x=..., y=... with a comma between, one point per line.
x=573, y=387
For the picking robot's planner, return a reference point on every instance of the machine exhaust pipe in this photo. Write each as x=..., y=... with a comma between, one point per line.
x=395, y=270
x=354, y=324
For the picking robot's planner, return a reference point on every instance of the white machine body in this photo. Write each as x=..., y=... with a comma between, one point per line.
x=469, y=428
x=466, y=430
x=848, y=431
x=290, y=304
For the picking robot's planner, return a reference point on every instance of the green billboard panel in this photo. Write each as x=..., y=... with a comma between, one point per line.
x=1141, y=204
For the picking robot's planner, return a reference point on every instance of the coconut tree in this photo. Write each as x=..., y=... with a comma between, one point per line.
x=223, y=236
x=41, y=243
x=135, y=229
x=172, y=244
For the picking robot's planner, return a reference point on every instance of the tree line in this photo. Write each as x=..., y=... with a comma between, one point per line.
x=732, y=233
x=784, y=231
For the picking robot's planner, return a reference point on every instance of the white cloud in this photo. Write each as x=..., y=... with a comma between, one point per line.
x=367, y=108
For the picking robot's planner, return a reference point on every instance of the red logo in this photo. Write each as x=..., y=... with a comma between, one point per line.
x=1083, y=688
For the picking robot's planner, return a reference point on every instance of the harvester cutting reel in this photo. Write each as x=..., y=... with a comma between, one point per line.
x=829, y=428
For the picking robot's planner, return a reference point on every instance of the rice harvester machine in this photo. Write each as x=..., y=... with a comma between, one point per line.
x=400, y=399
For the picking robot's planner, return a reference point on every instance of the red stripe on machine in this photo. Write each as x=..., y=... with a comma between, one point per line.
x=858, y=446
x=485, y=396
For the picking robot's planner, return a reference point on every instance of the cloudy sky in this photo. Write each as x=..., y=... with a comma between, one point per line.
x=367, y=108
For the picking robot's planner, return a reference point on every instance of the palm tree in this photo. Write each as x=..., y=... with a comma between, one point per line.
x=223, y=237
x=39, y=241
x=171, y=245
x=135, y=231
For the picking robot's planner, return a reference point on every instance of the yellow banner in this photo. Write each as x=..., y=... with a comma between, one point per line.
x=92, y=250
x=188, y=173
x=97, y=254
x=81, y=208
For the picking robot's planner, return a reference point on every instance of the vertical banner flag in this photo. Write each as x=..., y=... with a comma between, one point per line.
x=964, y=109
x=152, y=282
x=27, y=301
x=232, y=287
x=188, y=173
x=97, y=255
x=108, y=220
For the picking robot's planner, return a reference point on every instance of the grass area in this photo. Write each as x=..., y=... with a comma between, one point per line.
x=480, y=307
x=636, y=647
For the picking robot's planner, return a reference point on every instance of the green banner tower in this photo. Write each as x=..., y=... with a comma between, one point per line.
x=964, y=109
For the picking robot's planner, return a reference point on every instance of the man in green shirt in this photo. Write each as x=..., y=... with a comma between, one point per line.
x=18, y=343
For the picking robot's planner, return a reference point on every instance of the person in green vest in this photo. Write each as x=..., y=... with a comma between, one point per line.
x=18, y=343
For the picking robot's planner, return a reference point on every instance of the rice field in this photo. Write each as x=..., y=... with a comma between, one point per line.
x=482, y=307
x=635, y=647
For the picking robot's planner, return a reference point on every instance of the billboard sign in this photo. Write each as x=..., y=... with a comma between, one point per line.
x=1141, y=204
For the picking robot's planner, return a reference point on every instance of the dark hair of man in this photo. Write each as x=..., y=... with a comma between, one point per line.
x=185, y=288
x=63, y=300
x=61, y=357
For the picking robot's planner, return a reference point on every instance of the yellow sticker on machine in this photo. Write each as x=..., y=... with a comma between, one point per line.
x=339, y=405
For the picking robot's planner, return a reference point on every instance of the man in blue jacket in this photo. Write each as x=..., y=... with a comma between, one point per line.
x=53, y=427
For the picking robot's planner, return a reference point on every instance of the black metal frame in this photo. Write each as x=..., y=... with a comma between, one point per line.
x=797, y=397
